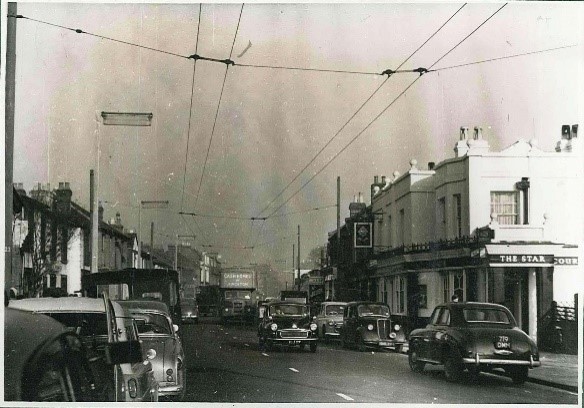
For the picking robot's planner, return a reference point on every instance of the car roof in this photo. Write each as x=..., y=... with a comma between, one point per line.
x=366, y=302
x=333, y=303
x=474, y=304
x=145, y=305
x=62, y=304
x=24, y=333
x=286, y=302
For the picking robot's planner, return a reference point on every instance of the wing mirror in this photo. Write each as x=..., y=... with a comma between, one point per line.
x=123, y=352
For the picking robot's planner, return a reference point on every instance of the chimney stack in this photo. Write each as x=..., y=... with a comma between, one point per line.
x=63, y=198
x=100, y=214
x=431, y=165
x=461, y=147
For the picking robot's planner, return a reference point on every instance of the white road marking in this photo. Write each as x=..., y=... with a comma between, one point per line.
x=345, y=397
x=264, y=354
x=293, y=369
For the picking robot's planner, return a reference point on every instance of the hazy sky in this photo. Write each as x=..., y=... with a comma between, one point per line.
x=272, y=122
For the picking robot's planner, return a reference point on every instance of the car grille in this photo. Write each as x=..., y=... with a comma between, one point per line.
x=383, y=327
x=238, y=306
x=289, y=334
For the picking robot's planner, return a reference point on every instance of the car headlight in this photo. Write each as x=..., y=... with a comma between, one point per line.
x=396, y=327
x=274, y=326
x=150, y=354
x=132, y=387
x=226, y=309
x=330, y=322
x=369, y=327
x=313, y=326
x=392, y=335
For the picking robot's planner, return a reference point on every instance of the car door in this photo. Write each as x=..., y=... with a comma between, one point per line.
x=438, y=331
x=349, y=324
x=113, y=337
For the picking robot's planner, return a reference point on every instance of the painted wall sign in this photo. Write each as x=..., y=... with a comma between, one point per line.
x=566, y=260
x=522, y=259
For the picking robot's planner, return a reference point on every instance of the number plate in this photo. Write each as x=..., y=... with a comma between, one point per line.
x=293, y=342
x=503, y=343
x=383, y=343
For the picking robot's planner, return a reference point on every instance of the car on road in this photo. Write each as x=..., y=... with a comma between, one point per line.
x=475, y=337
x=189, y=310
x=159, y=336
x=286, y=323
x=329, y=319
x=43, y=362
x=102, y=325
x=369, y=325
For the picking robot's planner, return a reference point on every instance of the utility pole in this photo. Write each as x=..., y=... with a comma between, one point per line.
x=152, y=245
x=333, y=281
x=94, y=211
x=9, y=137
x=299, y=257
x=293, y=262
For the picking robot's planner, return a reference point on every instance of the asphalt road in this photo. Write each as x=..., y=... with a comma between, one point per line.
x=224, y=364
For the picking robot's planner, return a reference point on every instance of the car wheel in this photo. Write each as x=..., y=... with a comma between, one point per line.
x=360, y=344
x=416, y=365
x=473, y=372
x=313, y=347
x=518, y=374
x=453, y=368
x=302, y=346
x=323, y=336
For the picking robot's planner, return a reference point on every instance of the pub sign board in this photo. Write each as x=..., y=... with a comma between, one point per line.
x=523, y=259
x=363, y=235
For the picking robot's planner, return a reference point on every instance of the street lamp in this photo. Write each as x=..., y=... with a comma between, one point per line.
x=110, y=119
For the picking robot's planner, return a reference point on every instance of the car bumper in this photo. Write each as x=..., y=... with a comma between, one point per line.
x=287, y=340
x=169, y=390
x=190, y=318
x=477, y=360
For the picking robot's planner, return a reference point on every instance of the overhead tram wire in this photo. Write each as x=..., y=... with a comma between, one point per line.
x=217, y=111
x=422, y=71
x=191, y=110
x=503, y=58
x=389, y=73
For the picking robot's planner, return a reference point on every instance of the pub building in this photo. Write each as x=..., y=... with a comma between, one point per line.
x=502, y=227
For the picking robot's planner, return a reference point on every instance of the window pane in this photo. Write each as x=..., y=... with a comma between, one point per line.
x=506, y=205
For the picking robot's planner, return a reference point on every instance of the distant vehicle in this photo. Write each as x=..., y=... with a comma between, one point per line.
x=137, y=284
x=43, y=362
x=369, y=324
x=329, y=319
x=103, y=325
x=475, y=337
x=298, y=296
x=190, y=310
x=237, y=287
x=160, y=337
x=287, y=324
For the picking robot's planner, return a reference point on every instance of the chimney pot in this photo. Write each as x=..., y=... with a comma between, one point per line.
x=431, y=165
x=566, y=132
x=574, y=131
x=478, y=133
x=375, y=179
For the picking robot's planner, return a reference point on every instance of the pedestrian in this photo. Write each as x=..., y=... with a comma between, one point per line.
x=454, y=298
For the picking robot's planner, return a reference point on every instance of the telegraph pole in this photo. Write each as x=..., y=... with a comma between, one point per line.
x=9, y=136
x=152, y=245
x=293, y=262
x=299, y=257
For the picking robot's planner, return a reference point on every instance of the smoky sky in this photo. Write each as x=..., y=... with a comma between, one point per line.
x=272, y=122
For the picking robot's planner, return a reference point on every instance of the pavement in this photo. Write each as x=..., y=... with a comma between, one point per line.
x=556, y=370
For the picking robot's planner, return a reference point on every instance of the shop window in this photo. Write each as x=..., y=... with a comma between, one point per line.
x=458, y=284
x=64, y=282
x=53, y=280
x=442, y=210
x=506, y=205
x=446, y=287
x=400, y=294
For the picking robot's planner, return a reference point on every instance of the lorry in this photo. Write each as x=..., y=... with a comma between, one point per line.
x=237, y=286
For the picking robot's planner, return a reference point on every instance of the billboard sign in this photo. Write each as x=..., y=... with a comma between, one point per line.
x=240, y=279
x=363, y=235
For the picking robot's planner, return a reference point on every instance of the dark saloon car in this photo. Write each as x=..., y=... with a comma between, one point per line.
x=476, y=337
x=369, y=324
x=286, y=323
x=45, y=362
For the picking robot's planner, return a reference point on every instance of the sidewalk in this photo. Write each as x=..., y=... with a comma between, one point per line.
x=556, y=370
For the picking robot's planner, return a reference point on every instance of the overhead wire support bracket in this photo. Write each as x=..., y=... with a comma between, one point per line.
x=422, y=71
x=226, y=61
x=388, y=72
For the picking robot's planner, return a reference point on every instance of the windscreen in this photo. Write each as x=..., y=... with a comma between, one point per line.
x=333, y=310
x=152, y=323
x=373, y=310
x=288, y=310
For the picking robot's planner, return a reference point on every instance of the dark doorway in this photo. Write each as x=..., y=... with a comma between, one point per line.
x=516, y=296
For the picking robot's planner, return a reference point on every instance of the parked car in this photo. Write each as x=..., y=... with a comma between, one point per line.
x=160, y=338
x=329, y=319
x=189, y=310
x=102, y=324
x=43, y=362
x=286, y=323
x=476, y=337
x=369, y=324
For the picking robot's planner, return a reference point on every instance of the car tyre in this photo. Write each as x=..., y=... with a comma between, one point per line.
x=518, y=374
x=324, y=333
x=453, y=367
x=313, y=346
x=416, y=365
x=361, y=344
